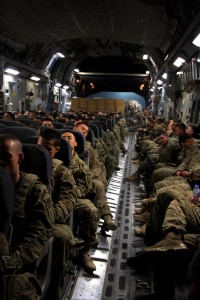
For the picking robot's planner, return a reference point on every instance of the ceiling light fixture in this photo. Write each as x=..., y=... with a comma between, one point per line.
x=66, y=87
x=145, y=56
x=60, y=54
x=196, y=41
x=12, y=71
x=35, y=78
x=76, y=70
x=164, y=76
x=178, y=62
x=58, y=84
x=159, y=82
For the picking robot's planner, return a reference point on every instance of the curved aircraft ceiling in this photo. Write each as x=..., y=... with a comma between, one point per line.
x=104, y=36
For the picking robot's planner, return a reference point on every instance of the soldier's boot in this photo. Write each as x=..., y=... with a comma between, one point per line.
x=124, y=151
x=109, y=223
x=148, y=203
x=140, y=230
x=136, y=161
x=140, y=210
x=136, y=157
x=144, y=217
x=144, y=195
x=85, y=262
x=162, y=251
x=134, y=177
x=171, y=243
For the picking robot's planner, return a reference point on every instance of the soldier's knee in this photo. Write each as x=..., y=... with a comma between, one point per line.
x=98, y=184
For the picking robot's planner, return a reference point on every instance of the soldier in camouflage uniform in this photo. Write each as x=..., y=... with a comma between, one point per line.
x=97, y=194
x=65, y=192
x=192, y=156
x=32, y=223
x=105, y=158
x=157, y=156
x=177, y=218
x=117, y=134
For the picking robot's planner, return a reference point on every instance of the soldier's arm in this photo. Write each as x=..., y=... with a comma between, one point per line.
x=82, y=176
x=39, y=219
x=64, y=195
x=94, y=163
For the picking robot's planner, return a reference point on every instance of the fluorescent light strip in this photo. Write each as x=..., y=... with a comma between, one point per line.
x=159, y=81
x=196, y=41
x=58, y=84
x=35, y=78
x=60, y=54
x=178, y=62
x=12, y=71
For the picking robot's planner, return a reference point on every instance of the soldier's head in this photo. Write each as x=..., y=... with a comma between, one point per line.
x=162, y=137
x=47, y=122
x=179, y=129
x=186, y=140
x=11, y=155
x=82, y=127
x=70, y=137
x=50, y=139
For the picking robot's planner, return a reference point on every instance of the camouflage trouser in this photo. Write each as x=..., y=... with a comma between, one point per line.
x=26, y=287
x=145, y=146
x=87, y=218
x=165, y=196
x=182, y=216
x=110, y=164
x=173, y=212
x=148, y=164
x=63, y=242
x=161, y=174
x=98, y=196
x=177, y=181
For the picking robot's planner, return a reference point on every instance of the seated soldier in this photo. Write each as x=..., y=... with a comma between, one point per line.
x=32, y=223
x=47, y=122
x=170, y=188
x=98, y=183
x=192, y=156
x=64, y=195
x=176, y=218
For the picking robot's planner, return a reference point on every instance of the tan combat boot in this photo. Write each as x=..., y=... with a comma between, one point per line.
x=140, y=230
x=144, y=217
x=136, y=161
x=109, y=223
x=140, y=210
x=171, y=242
x=134, y=177
x=85, y=262
x=148, y=203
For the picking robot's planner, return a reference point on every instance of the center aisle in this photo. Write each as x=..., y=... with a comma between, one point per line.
x=90, y=287
x=120, y=281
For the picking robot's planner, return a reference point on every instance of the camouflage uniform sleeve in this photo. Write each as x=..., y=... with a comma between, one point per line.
x=192, y=157
x=64, y=193
x=39, y=219
x=94, y=163
x=82, y=176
